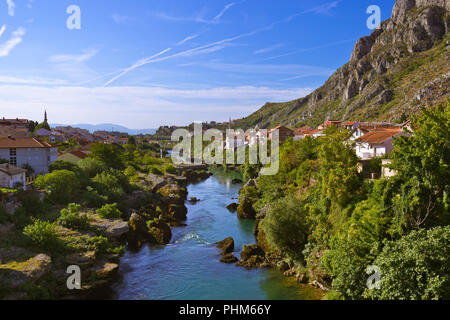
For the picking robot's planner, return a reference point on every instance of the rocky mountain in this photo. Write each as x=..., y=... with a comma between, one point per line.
x=401, y=66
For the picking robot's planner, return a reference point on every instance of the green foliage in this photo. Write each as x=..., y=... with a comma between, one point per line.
x=416, y=267
x=108, y=154
x=154, y=170
x=91, y=167
x=43, y=235
x=422, y=161
x=42, y=125
x=109, y=211
x=72, y=219
x=285, y=226
x=170, y=169
x=92, y=199
x=61, y=186
x=36, y=292
x=30, y=170
x=109, y=185
x=99, y=244
x=34, y=207
x=131, y=173
x=4, y=216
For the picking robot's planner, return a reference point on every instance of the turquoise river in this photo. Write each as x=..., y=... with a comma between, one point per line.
x=189, y=268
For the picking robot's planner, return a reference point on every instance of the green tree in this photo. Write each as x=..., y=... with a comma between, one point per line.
x=422, y=161
x=61, y=186
x=108, y=154
x=109, y=211
x=286, y=227
x=416, y=267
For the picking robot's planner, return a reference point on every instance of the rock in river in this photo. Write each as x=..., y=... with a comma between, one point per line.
x=226, y=245
x=229, y=258
x=252, y=256
x=159, y=231
x=232, y=207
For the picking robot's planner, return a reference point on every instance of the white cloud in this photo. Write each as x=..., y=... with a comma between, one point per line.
x=268, y=49
x=136, y=65
x=32, y=81
x=74, y=57
x=16, y=38
x=187, y=39
x=11, y=7
x=119, y=18
x=138, y=107
x=217, y=18
x=199, y=18
x=74, y=66
x=324, y=8
x=2, y=29
x=220, y=44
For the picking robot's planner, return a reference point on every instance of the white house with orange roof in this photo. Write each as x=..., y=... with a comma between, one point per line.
x=20, y=151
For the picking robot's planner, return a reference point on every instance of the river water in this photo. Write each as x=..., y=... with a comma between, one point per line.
x=189, y=268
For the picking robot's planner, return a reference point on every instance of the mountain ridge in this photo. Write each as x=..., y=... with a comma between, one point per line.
x=106, y=127
x=393, y=72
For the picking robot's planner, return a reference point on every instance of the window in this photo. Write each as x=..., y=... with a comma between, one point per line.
x=13, y=156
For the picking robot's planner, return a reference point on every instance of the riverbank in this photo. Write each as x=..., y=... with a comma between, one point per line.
x=188, y=266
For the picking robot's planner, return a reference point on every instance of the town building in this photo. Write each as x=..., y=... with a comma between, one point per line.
x=21, y=151
x=14, y=128
x=72, y=156
x=302, y=132
x=376, y=143
x=12, y=177
x=284, y=133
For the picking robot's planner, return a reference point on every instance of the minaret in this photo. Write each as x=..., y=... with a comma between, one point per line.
x=45, y=116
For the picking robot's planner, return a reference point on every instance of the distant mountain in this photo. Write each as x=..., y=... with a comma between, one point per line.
x=392, y=73
x=106, y=127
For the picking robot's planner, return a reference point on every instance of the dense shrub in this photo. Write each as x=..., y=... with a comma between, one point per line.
x=60, y=186
x=416, y=267
x=109, y=185
x=33, y=205
x=98, y=244
x=109, y=211
x=72, y=219
x=285, y=226
x=108, y=154
x=154, y=170
x=91, y=167
x=4, y=216
x=92, y=199
x=42, y=234
x=170, y=169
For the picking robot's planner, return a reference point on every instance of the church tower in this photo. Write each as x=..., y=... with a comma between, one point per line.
x=45, y=116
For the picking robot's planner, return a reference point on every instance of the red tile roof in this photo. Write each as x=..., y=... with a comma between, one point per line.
x=302, y=130
x=349, y=123
x=378, y=136
x=79, y=154
x=23, y=143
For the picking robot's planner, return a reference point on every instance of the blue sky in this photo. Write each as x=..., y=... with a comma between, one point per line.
x=145, y=63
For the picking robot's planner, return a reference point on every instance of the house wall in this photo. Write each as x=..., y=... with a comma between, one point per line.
x=38, y=158
x=7, y=181
x=386, y=172
x=367, y=151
